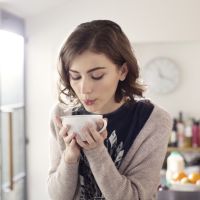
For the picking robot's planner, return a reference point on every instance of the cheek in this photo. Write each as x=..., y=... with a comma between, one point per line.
x=74, y=86
x=110, y=85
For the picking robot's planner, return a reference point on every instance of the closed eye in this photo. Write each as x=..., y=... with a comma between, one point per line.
x=75, y=77
x=97, y=77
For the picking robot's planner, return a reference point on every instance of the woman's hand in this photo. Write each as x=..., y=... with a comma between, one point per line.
x=92, y=137
x=72, y=151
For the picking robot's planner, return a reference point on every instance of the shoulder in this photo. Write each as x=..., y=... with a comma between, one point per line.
x=161, y=117
x=142, y=105
x=157, y=127
x=158, y=115
x=154, y=135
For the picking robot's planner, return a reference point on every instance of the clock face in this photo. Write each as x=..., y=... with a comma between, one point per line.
x=161, y=75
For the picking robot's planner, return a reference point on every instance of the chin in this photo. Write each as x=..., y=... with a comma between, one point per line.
x=92, y=109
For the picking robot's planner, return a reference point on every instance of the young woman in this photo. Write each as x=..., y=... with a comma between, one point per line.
x=99, y=74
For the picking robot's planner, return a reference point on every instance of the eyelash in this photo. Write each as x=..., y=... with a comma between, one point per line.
x=95, y=78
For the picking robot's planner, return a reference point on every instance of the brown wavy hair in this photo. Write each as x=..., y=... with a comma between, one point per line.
x=100, y=36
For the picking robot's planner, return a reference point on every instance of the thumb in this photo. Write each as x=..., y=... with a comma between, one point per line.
x=99, y=123
x=104, y=134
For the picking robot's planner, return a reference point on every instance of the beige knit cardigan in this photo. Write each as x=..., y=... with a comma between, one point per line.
x=138, y=176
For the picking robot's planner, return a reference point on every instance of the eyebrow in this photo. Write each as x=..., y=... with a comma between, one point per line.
x=90, y=70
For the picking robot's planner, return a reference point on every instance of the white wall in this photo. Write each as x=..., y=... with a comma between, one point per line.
x=143, y=21
x=186, y=55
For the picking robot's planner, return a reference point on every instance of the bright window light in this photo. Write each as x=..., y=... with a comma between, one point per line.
x=11, y=67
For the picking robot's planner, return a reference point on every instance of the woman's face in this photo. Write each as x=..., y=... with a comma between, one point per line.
x=94, y=79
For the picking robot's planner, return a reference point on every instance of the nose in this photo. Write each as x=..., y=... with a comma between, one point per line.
x=85, y=86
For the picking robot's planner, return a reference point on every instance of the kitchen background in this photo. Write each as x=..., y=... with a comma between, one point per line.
x=156, y=28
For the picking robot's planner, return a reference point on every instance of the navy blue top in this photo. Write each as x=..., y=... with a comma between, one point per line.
x=124, y=124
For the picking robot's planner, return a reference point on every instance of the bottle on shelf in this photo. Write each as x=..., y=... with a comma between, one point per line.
x=195, y=134
x=198, y=133
x=188, y=134
x=185, y=133
x=173, y=137
x=180, y=130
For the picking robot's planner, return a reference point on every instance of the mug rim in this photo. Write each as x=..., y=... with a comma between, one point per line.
x=82, y=116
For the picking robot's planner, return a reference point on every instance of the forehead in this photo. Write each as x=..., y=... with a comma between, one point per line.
x=88, y=60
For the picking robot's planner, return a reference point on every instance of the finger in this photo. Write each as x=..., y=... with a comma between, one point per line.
x=57, y=121
x=104, y=134
x=69, y=138
x=100, y=124
x=93, y=132
x=87, y=136
x=80, y=142
x=96, y=135
x=63, y=131
x=73, y=143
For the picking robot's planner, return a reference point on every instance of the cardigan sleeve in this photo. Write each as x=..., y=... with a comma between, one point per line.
x=62, y=177
x=141, y=178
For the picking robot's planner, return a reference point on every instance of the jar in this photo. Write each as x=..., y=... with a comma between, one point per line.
x=175, y=164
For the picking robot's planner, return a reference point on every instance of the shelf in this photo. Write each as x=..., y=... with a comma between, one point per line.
x=184, y=149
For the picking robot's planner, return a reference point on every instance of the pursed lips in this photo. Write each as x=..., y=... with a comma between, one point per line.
x=89, y=101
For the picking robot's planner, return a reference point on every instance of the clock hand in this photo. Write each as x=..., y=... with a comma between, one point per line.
x=160, y=73
x=163, y=76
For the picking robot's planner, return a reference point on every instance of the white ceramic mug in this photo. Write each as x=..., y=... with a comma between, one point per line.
x=77, y=122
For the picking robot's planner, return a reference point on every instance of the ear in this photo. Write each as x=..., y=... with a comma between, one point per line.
x=123, y=72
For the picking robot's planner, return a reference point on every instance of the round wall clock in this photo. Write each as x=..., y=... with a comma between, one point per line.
x=162, y=75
